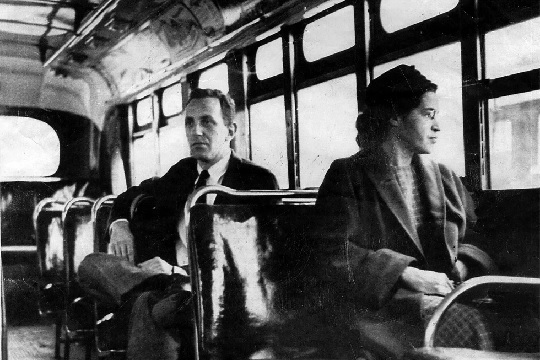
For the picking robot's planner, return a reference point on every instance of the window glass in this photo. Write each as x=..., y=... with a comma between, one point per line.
x=144, y=111
x=399, y=14
x=216, y=77
x=269, y=59
x=28, y=147
x=173, y=146
x=326, y=126
x=513, y=141
x=144, y=157
x=323, y=38
x=118, y=173
x=513, y=49
x=172, y=100
x=442, y=66
x=269, y=138
x=32, y=17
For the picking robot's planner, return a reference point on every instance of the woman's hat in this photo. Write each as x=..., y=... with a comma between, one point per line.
x=401, y=82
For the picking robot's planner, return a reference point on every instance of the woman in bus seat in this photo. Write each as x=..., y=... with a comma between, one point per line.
x=405, y=218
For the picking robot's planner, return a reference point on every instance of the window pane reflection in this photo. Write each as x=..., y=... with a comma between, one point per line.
x=514, y=132
x=323, y=38
x=269, y=138
x=173, y=146
x=269, y=60
x=442, y=66
x=399, y=14
x=144, y=157
x=144, y=111
x=513, y=49
x=326, y=126
x=28, y=147
x=216, y=77
x=172, y=100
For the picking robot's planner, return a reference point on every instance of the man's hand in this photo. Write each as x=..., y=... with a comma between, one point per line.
x=122, y=241
x=428, y=282
x=156, y=265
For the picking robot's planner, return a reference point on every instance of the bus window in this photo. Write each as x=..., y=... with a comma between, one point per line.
x=521, y=49
x=216, y=77
x=269, y=138
x=326, y=126
x=323, y=38
x=269, y=60
x=118, y=173
x=513, y=141
x=173, y=145
x=171, y=100
x=144, y=157
x=399, y=14
x=144, y=112
x=28, y=147
x=32, y=20
x=442, y=66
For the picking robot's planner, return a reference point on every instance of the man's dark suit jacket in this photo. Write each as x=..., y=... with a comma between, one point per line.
x=171, y=192
x=374, y=237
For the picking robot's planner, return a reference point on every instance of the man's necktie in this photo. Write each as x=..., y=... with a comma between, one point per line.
x=201, y=181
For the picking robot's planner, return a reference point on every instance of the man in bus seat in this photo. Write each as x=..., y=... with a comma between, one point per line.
x=146, y=286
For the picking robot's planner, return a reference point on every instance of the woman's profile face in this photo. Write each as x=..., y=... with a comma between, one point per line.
x=418, y=130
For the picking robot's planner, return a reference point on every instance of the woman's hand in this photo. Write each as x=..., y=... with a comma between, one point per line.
x=156, y=265
x=462, y=270
x=427, y=282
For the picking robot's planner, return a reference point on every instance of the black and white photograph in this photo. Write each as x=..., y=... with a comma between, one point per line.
x=269, y=179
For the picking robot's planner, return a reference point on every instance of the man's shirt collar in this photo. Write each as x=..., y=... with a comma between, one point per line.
x=217, y=170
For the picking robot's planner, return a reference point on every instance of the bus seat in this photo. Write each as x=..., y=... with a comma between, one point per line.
x=106, y=326
x=259, y=289
x=47, y=219
x=78, y=315
x=100, y=220
x=49, y=242
x=514, y=305
x=149, y=227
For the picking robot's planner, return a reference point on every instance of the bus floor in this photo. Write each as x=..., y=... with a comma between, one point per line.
x=30, y=336
x=36, y=342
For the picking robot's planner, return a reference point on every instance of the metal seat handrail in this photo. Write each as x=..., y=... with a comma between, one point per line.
x=467, y=286
x=78, y=201
x=104, y=200
x=100, y=203
x=46, y=205
x=223, y=190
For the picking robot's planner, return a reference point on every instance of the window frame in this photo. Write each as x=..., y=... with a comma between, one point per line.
x=467, y=23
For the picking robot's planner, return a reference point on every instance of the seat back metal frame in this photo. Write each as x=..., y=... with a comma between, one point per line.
x=474, y=284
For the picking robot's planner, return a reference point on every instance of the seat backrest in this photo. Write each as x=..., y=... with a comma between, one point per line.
x=78, y=235
x=259, y=290
x=155, y=232
x=49, y=241
x=511, y=221
x=512, y=304
x=100, y=220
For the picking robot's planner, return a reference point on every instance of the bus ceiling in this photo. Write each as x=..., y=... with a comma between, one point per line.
x=135, y=44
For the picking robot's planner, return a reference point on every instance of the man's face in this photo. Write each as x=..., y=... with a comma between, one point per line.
x=418, y=130
x=208, y=137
